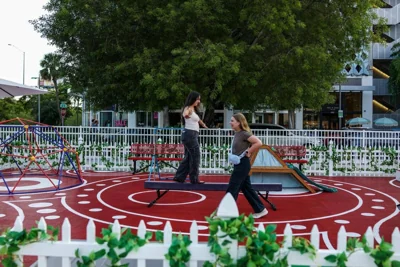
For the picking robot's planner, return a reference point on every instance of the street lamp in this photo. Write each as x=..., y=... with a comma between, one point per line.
x=38, y=78
x=23, y=62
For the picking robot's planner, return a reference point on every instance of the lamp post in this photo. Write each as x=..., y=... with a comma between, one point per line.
x=340, y=111
x=38, y=78
x=23, y=62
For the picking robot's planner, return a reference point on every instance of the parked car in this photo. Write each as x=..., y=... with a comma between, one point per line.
x=274, y=134
x=363, y=137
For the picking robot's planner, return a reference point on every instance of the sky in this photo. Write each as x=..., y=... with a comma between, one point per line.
x=15, y=29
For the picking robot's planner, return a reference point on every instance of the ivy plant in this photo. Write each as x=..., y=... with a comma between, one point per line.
x=126, y=243
x=12, y=241
x=381, y=254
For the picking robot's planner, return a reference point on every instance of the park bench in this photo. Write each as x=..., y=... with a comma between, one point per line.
x=163, y=188
x=156, y=153
x=292, y=154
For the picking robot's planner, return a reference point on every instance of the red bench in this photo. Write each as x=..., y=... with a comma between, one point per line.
x=292, y=154
x=155, y=153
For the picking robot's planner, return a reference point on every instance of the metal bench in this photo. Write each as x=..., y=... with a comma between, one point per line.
x=166, y=186
x=155, y=153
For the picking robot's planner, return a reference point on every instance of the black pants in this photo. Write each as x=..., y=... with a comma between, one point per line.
x=191, y=162
x=240, y=180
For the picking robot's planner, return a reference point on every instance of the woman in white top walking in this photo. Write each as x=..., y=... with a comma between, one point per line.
x=190, y=139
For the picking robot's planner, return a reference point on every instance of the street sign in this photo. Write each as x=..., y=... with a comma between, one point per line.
x=340, y=113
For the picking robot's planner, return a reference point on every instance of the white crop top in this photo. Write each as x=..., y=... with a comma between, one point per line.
x=192, y=123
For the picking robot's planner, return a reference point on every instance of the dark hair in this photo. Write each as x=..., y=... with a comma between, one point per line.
x=190, y=99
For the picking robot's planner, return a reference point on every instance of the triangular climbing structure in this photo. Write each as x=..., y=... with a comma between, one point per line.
x=268, y=167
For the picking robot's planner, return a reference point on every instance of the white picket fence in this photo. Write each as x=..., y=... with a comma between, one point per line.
x=62, y=253
x=360, y=153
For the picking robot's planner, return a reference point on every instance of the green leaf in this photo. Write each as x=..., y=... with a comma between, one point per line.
x=270, y=228
x=395, y=263
x=159, y=236
x=331, y=258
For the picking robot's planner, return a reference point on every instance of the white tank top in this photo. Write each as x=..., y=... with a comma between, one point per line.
x=192, y=123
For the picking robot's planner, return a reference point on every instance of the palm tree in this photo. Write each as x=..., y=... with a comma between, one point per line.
x=52, y=70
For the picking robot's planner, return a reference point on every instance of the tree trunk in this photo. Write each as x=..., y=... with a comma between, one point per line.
x=291, y=119
x=209, y=116
x=166, y=116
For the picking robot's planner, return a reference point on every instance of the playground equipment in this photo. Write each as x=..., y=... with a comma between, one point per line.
x=34, y=157
x=268, y=167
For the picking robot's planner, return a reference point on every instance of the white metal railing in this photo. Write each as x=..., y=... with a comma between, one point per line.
x=62, y=253
x=107, y=148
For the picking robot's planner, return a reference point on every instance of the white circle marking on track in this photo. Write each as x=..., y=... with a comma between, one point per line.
x=377, y=226
x=202, y=197
x=367, y=214
x=52, y=217
x=392, y=183
x=154, y=223
x=95, y=210
x=119, y=217
x=46, y=211
x=342, y=222
x=360, y=202
x=42, y=183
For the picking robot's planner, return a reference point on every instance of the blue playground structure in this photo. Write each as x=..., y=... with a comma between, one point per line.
x=36, y=150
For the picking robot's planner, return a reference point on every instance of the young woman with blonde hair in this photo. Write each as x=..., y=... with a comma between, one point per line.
x=244, y=145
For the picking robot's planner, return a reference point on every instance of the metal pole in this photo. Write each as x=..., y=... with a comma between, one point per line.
x=23, y=62
x=39, y=99
x=23, y=68
x=340, y=104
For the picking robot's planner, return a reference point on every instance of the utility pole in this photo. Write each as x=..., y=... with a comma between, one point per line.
x=38, y=78
x=340, y=111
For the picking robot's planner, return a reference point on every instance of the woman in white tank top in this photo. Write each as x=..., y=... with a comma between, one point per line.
x=190, y=139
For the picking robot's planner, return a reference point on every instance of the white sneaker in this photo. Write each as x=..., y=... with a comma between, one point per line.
x=260, y=214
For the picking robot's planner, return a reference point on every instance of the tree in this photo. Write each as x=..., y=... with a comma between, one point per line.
x=52, y=69
x=49, y=113
x=148, y=54
x=11, y=108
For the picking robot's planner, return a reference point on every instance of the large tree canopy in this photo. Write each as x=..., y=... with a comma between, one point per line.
x=148, y=54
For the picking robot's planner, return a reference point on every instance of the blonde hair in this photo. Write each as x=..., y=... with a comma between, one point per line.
x=242, y=122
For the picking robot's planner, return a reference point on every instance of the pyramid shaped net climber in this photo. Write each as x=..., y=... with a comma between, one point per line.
x=34, y=157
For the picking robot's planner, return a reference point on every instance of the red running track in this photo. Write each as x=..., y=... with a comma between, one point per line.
x=360, y=202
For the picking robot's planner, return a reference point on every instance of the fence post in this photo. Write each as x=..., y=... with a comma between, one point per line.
x=141, y=232
x=18, y=227
x=167, y=240
x=91, y=232
x=42, y=260
x=330, y=161
x=341, y=239
x=396, y=240
x=288, y=237
x=194, y=237
x=315, y=236
x=66, y=237
x=228, y=209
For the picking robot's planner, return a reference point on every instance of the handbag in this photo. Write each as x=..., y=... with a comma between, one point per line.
x=235, y=159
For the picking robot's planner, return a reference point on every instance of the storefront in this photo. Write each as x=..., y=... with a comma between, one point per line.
x=354, y=104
